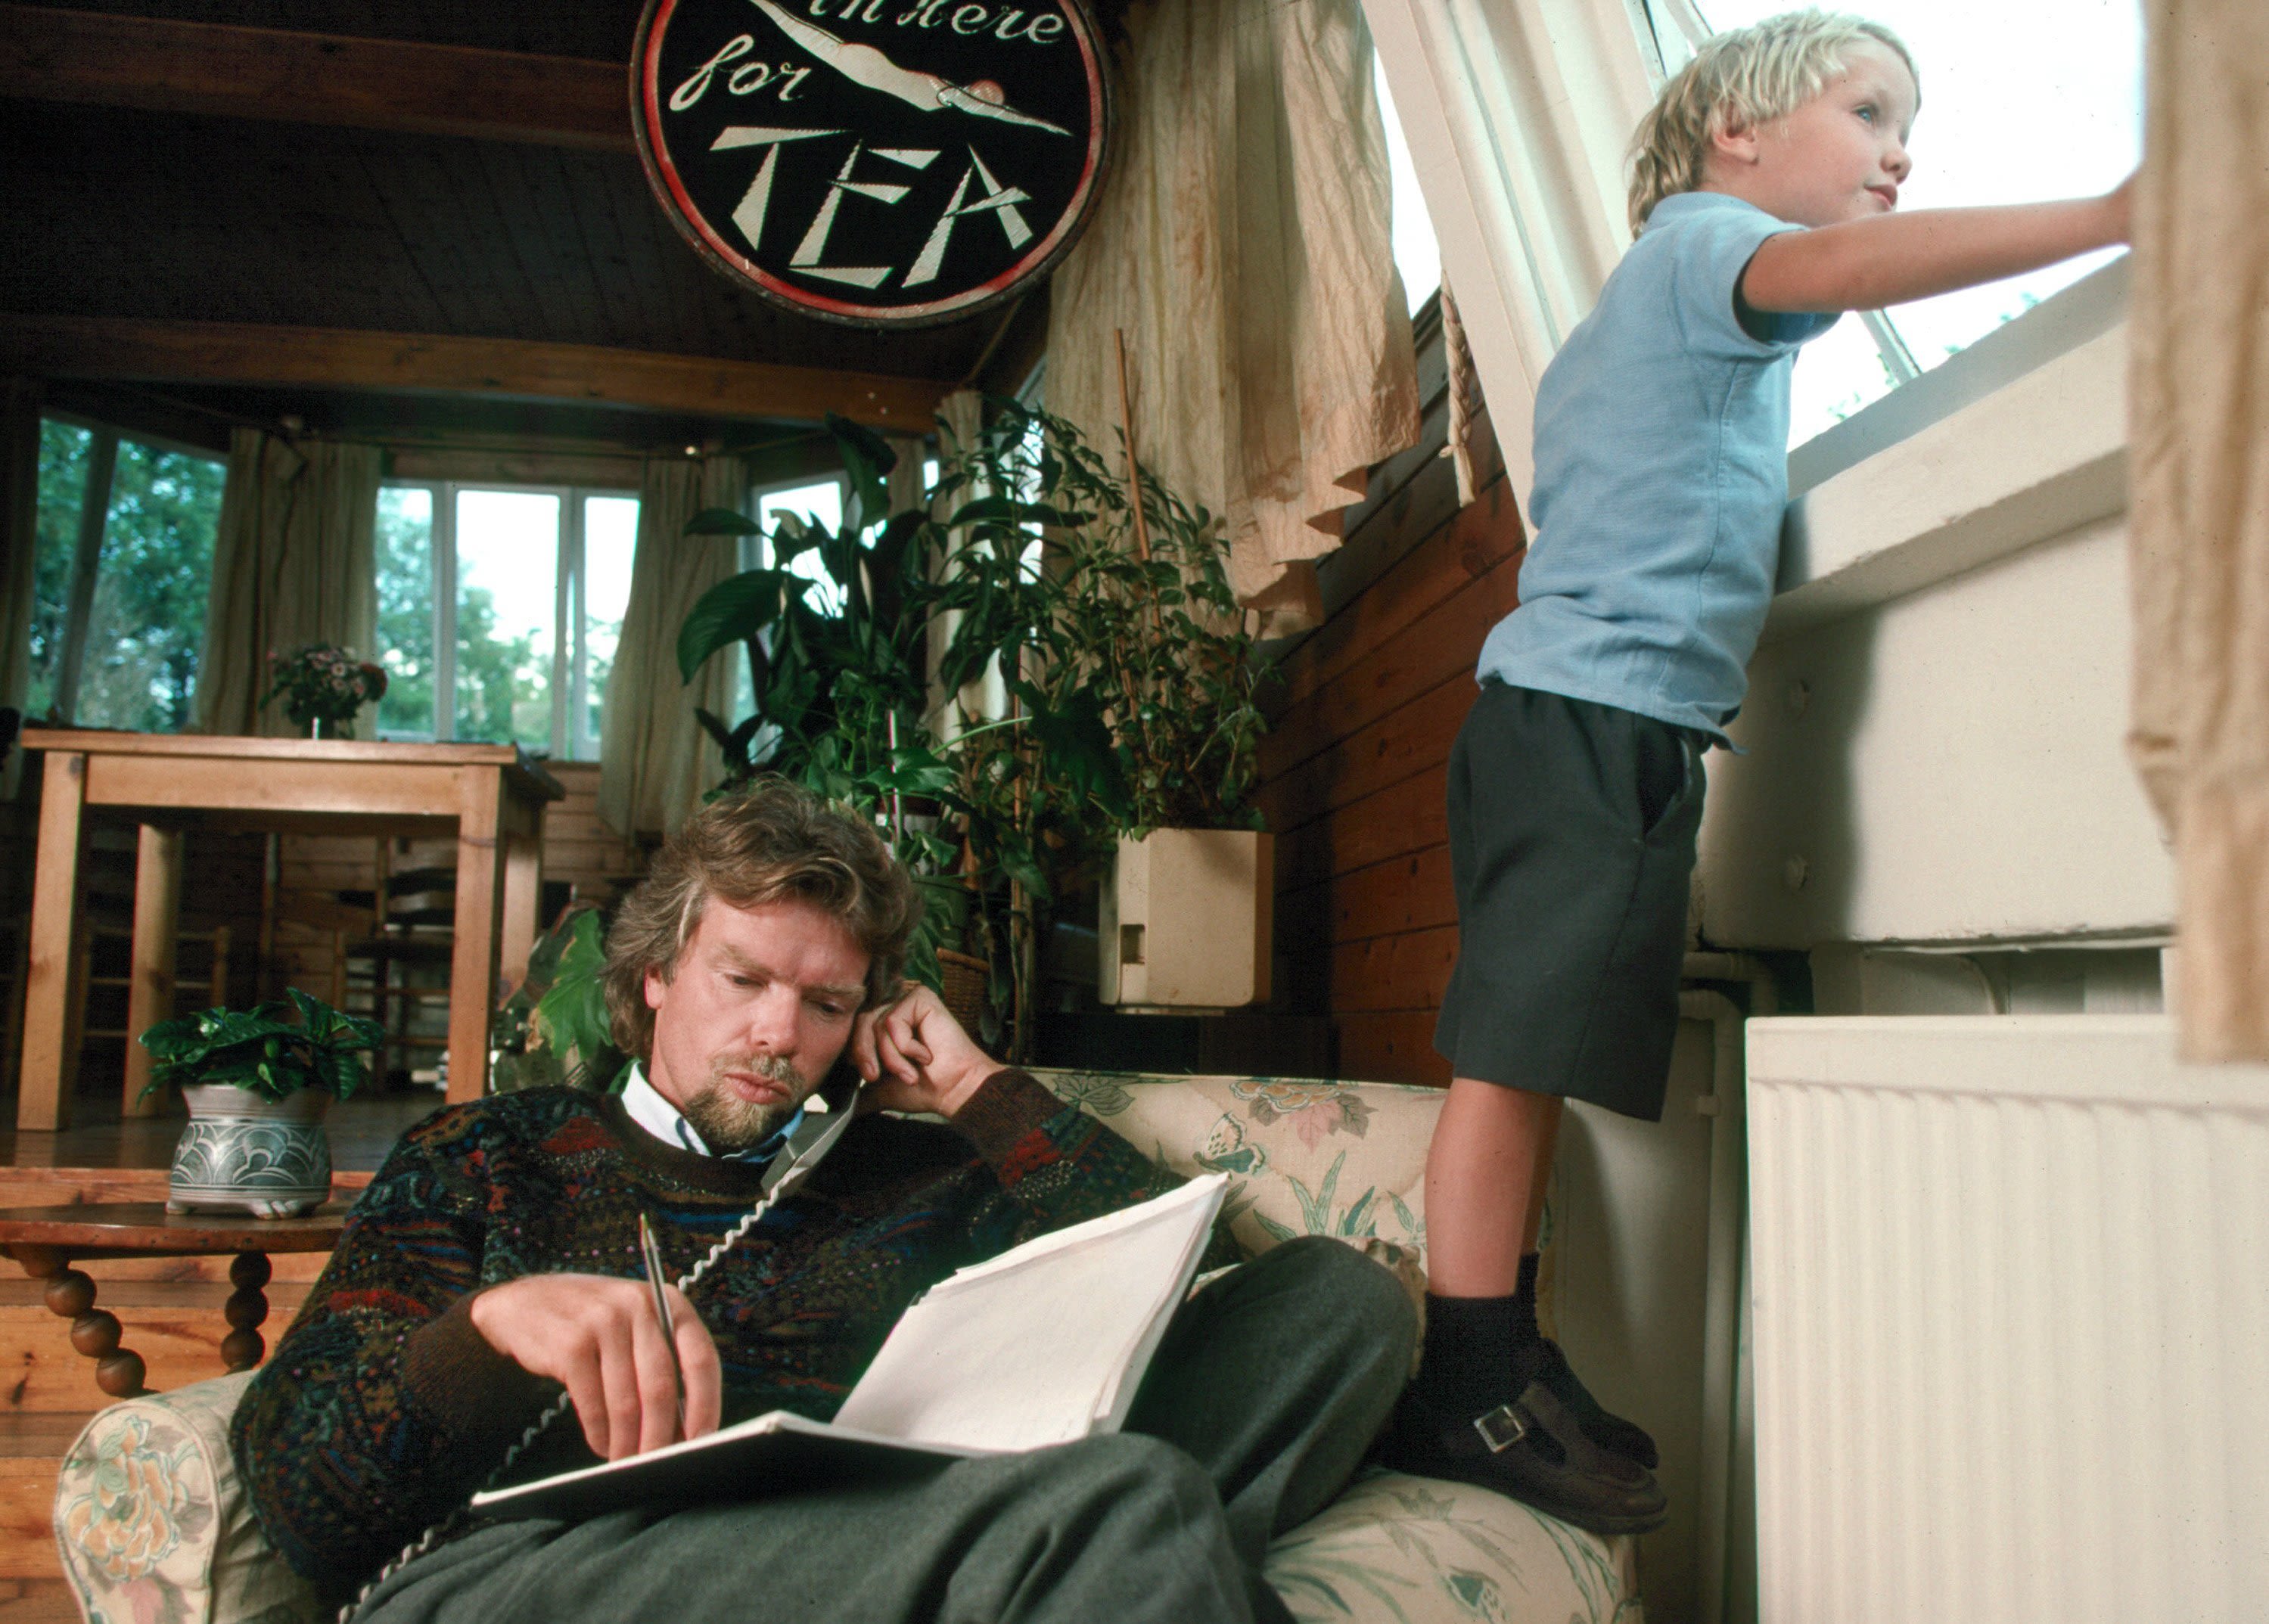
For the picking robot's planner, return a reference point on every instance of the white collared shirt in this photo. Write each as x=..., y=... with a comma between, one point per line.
x=657, y=1116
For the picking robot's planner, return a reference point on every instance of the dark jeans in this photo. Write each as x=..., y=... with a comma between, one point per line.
x=1258, y=1409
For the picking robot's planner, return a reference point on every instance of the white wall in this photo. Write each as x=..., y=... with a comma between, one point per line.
x=1935, y=723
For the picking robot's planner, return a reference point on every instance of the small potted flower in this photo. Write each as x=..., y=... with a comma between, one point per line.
x=322, y=686
x=257, y=1084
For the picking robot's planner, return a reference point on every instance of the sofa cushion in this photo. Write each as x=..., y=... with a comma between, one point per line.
x=1399, y=1550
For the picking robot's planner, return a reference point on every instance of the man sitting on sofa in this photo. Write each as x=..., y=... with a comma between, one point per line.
x=495, y=1260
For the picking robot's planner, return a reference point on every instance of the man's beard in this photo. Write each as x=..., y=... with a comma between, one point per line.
x=728, y=1122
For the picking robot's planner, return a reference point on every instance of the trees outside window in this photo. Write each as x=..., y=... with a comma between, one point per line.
x=498, y=611
x=121, y=571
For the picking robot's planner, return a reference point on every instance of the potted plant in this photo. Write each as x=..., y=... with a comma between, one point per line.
x=322, y=686
x=1135, y=728
x=257, y=1084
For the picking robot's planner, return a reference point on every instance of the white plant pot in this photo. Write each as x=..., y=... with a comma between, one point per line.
x=1187, y=921
x=243, y=1153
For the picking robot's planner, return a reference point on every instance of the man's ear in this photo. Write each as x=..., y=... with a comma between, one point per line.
x=655, y=981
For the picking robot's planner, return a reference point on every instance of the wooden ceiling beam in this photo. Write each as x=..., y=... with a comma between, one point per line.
x=293, y=76
x=124, y=349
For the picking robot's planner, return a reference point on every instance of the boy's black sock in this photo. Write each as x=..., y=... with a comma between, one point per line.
x=1524, y=1298
x=1480, y=1353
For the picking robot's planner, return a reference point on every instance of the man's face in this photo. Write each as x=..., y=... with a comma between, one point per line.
x=1842, y=155
x=761, y=1004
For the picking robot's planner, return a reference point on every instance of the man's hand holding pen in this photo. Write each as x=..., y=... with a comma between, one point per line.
x=599, y=1337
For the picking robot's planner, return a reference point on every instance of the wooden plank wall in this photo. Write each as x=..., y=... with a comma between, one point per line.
x=1355, y=769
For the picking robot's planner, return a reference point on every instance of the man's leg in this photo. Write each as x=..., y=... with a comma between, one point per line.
x=1275, y=1378
x=1122, y=1528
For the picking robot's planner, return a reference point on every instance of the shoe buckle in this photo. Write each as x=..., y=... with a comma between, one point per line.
x=1502, y=1428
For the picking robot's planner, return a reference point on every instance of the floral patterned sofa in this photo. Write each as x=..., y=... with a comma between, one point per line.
x=154, y=1531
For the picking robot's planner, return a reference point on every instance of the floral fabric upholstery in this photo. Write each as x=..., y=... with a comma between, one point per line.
x=154, y=1531
x=152, y=1527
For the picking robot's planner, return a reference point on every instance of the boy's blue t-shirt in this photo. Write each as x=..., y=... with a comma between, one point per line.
x=1661, y=480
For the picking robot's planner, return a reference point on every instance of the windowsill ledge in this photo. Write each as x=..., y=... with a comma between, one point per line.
x=2001, y=449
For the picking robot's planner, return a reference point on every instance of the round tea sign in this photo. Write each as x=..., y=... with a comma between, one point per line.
x=888, y=163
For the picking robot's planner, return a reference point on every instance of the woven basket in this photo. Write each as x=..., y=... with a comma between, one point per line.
x=965, y=978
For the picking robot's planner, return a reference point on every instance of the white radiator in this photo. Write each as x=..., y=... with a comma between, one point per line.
x=2011, y=1301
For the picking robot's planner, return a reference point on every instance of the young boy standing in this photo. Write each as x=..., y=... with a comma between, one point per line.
x=1765, y=181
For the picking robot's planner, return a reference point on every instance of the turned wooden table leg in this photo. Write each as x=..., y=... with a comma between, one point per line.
x=118, y=1371
x=245, y=1310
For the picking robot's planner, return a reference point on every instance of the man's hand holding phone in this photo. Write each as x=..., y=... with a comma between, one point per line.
x=915, y=1057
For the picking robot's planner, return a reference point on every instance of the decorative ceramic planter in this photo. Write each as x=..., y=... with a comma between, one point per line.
x=243, y=1153
x=1187, y=921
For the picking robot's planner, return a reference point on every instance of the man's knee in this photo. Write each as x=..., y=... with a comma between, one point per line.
x=1361, y=1299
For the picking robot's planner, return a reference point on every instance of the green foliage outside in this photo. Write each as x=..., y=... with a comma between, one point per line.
x=146, y=632
x=262, y=1050
x=504, y=684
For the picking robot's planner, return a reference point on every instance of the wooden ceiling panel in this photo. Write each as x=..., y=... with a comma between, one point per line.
x=600, y=30
x=178, y=217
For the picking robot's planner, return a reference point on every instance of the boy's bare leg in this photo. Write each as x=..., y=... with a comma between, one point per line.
x=1486, y=1173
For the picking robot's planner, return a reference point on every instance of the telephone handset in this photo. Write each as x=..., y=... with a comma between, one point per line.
x=814, y=1137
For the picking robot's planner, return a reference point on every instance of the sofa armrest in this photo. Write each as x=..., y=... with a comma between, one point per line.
x=152, y=1522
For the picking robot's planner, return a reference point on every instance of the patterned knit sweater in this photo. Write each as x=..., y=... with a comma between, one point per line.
x=382, y=1408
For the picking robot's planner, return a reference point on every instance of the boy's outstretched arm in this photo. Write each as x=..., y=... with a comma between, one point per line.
x=1867, y=264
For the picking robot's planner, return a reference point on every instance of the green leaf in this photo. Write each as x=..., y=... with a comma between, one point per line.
x=732, y=611
x=723, y=521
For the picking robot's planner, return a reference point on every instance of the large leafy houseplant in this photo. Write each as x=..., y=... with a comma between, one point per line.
x=262, y=1050
x=1133, y=687
x=837, y=674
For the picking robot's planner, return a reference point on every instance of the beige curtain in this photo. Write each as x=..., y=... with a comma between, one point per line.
x=2200, y=503
x=292, y=565
x=19, y=539
x=654, y=761
x=1242, y=245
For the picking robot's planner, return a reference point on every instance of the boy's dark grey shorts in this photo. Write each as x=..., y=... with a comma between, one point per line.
x=1572, y=829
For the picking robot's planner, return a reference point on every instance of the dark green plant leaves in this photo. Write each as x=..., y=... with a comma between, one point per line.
x=260, y=1049
x=733, y=611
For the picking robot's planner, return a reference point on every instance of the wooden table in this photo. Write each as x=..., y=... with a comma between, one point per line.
x=490, y=796
x=46, y=1240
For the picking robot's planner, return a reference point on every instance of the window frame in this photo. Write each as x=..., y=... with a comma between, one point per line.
x=93, y=530
x=570, y=607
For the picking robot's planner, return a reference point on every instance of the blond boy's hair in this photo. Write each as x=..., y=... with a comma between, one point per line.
x=1739, y=79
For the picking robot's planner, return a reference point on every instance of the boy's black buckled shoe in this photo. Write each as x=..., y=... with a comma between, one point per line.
x=1533, y=1451
x=1611, y=1432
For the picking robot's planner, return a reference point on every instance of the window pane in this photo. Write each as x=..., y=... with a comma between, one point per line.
x=148, y=628
x=63, y=487
x=1416, y=254
x=2022, y=101
x=821, y=503
x=610, y=538
x=405, y=611
x=507, y=579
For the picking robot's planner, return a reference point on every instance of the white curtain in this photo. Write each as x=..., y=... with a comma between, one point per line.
x=656, y=763
x=1242, y=246
x=292, y=565
x=2199, y=519
x=1518, y=114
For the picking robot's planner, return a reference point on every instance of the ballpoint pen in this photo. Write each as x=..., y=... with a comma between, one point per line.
x=654, y=1278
